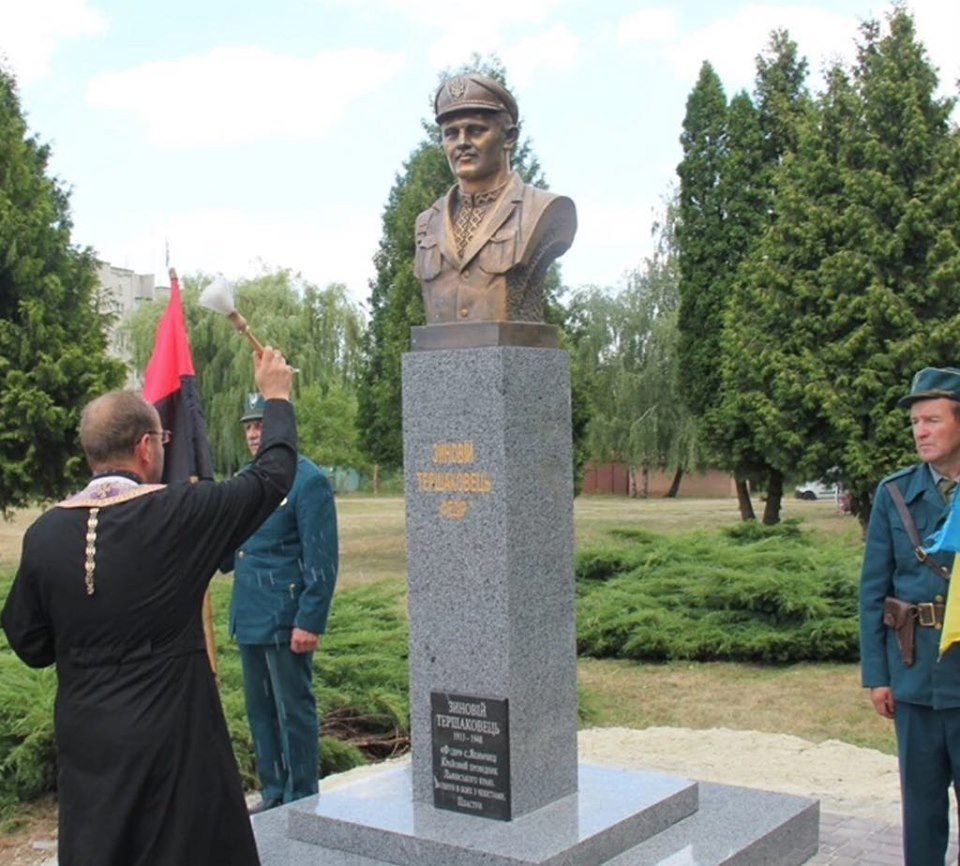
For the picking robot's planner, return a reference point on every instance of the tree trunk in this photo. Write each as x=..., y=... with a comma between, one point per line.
x=743, y=500
x=675, y=484
x=771, y=510
x=860, y=507
x=376, y=479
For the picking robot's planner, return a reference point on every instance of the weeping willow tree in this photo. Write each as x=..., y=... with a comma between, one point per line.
x=626, y=348
x=320, y=330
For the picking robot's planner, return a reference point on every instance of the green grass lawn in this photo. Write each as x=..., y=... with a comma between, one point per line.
x=814, y=701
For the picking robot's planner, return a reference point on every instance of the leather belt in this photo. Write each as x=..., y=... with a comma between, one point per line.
x=930, y=614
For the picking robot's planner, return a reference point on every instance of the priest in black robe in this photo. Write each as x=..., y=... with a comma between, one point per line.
x=109, y=589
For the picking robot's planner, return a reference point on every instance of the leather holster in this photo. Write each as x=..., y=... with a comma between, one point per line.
x=901, y=616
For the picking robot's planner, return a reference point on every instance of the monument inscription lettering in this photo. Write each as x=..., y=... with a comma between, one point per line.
x=453, y=452
x=464, y=482
x=471, y=755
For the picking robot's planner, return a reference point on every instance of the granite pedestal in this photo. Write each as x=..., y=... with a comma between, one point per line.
x=489, y=509
x=494, y=778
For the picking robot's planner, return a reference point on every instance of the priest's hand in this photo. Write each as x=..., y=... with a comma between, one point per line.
x=302, y=641
x=273, y=375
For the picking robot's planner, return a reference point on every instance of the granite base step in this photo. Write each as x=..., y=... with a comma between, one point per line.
x=618, y=818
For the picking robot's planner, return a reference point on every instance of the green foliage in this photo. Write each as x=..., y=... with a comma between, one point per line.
x=395, y=304
x=750, y=531
x=327, y=425
x=52, y=328
x=727, y=200
x=852, y=288
x=27, y=749
x=321, y=331
x=700, y=238
x=601, y=563
x=750, y=593
x=625, y=347
x=360, y=679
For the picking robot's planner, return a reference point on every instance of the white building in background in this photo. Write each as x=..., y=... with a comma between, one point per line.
x=123, y=291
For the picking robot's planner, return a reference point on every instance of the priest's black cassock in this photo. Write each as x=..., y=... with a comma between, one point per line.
x=146, y=774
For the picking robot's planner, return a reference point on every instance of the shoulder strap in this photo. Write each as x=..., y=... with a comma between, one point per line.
x=912, y=533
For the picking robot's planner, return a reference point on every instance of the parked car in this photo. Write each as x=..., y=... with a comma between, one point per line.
x=816, y=490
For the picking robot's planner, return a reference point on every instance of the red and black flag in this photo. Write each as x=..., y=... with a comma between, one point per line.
x=170, y=384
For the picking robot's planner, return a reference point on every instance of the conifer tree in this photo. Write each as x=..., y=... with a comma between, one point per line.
x=854, y=286
x=52, y=329
x=761, y=134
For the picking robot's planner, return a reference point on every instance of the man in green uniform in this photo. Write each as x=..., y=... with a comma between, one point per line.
x=898, y=588
x=283, y=582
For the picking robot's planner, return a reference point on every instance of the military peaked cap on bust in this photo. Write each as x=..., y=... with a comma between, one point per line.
x=933, y=383
x=253, y=406
x=473, y=92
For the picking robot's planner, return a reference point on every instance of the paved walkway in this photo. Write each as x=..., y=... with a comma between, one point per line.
x=849, y=841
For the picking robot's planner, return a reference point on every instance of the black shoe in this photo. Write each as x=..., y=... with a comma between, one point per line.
x=263, y=806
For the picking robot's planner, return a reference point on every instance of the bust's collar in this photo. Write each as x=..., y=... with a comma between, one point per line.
x=480, y=199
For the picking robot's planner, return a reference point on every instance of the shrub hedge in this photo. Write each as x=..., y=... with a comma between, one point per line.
x=747, y=593
x=360, y=675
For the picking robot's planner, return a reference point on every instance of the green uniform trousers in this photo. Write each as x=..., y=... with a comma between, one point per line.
x=928, y=745
x=282, y=712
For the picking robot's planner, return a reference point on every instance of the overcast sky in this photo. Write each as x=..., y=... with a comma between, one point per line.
x=268, y=134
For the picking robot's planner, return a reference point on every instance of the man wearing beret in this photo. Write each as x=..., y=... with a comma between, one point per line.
x=284, y=576
x=483, y=249
x=902, y=593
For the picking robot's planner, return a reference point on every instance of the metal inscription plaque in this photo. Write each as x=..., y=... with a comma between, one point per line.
x=471, y=755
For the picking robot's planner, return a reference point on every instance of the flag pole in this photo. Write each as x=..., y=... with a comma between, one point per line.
x=209, y=638
x=170, y=385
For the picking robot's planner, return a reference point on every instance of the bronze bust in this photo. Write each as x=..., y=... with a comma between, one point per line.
x=483, y=249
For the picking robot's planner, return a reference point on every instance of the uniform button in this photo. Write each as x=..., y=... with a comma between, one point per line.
x=464, y=312
x=466, y=275
x=938, y=626
x=938, y=598
x=239, y=554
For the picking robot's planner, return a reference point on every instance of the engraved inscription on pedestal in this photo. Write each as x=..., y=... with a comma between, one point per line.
x=471, y=755
x=454, y=476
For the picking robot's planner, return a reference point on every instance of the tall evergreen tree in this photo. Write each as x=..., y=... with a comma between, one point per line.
x=396, y=303
x=700, y=238
x=52, y=329
x=782, y=100
x=711, y=238
x=761, y=134
x=854, y=286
